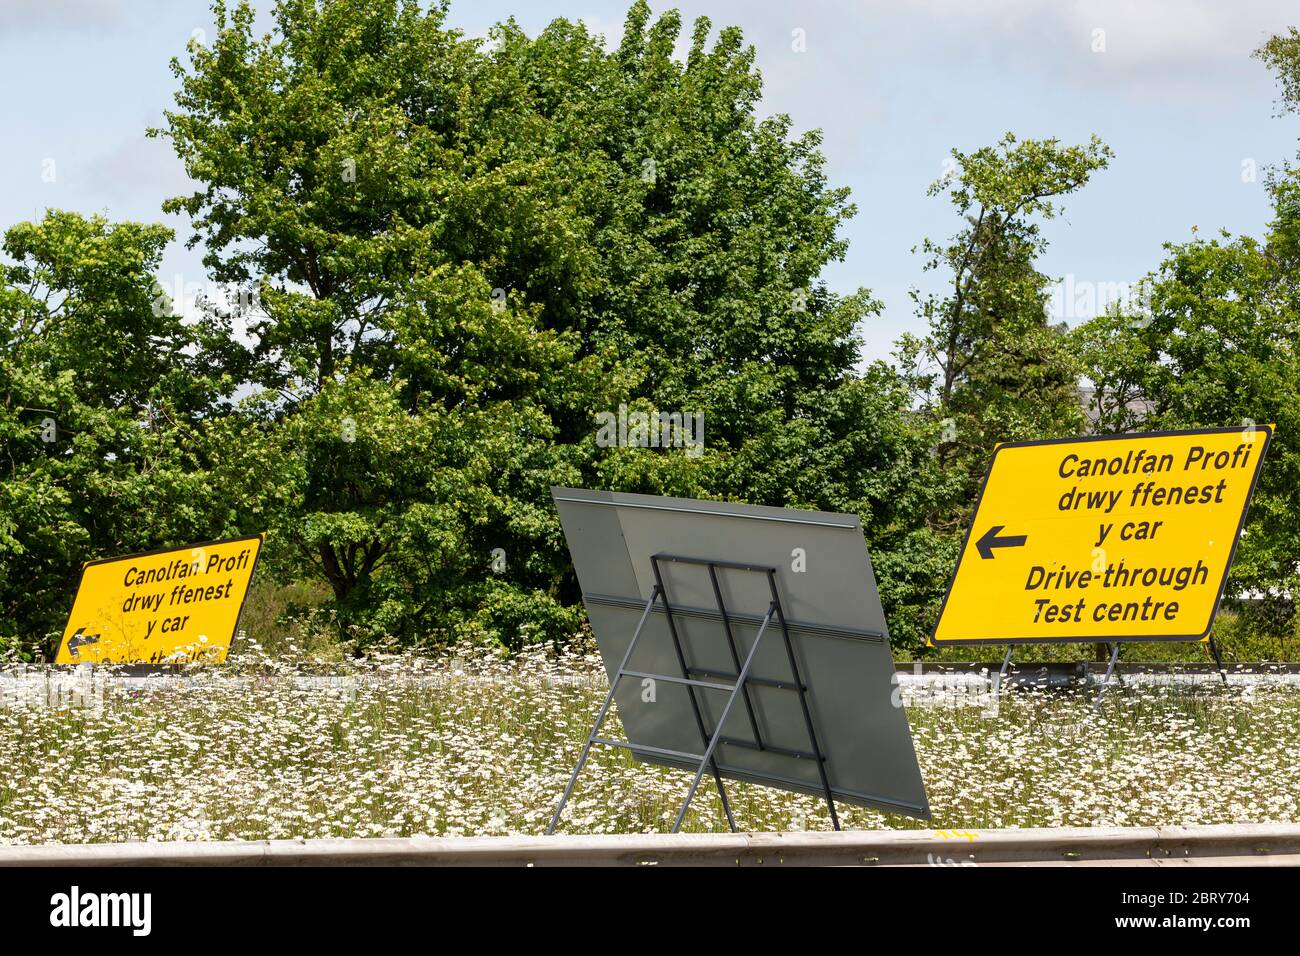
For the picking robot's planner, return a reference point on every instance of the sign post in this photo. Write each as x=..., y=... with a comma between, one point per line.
x=178, y=604
x=1103, y=539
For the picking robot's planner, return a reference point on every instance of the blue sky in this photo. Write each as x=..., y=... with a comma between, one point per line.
x=893, y=86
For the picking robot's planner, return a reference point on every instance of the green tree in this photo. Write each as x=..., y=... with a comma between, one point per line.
x=992, y=367
x=397, y=490
x=1281, y=54
x=710, y=229
x=470, y=252
x=358, y=167
x=1214, y=344
x=102, y=407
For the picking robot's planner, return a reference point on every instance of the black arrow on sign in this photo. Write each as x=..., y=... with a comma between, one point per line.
x=80, y=639
x=991, y=540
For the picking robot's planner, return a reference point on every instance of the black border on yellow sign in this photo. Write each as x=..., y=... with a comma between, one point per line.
x=81, y=577
x=1092, y=638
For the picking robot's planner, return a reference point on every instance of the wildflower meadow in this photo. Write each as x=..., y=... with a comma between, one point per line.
x=474, y=743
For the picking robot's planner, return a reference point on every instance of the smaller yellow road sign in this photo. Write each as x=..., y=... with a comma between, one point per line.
x=1106, y=538
x=160, y=607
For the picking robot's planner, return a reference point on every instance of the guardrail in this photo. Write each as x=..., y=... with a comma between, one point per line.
x=1225, y=845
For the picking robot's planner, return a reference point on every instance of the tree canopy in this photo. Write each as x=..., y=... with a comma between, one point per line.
x=459, y=260
x=464, y=254
x=102, y=406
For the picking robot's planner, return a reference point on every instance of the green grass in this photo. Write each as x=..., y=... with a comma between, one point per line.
x=483, y=745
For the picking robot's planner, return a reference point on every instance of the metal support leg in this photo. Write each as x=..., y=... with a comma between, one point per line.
x=1006, y=666
x=1105, y=681
x=1218, y=661
x=722, y=722
x=604, y=710
x=803, y=703
x=695, y=704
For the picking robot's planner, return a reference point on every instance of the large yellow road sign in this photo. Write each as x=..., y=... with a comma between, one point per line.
x=1108, y=538
x=164, y=606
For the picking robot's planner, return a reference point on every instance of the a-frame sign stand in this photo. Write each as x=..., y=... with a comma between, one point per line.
x=1105, y=681
x=1218, y=660
x=1110, y=668
x=690, y=677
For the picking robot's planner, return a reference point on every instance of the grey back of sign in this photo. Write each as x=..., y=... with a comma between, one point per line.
x=832, y=609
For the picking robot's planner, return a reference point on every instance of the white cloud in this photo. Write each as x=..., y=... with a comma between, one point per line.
x=1153, y=48
x=18, y=15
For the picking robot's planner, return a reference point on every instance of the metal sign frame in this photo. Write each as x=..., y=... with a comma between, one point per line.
x=738, y=688
x=749, y=718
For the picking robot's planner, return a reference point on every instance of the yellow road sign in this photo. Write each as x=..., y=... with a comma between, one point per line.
x=163, y=606
x=1106, y=538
